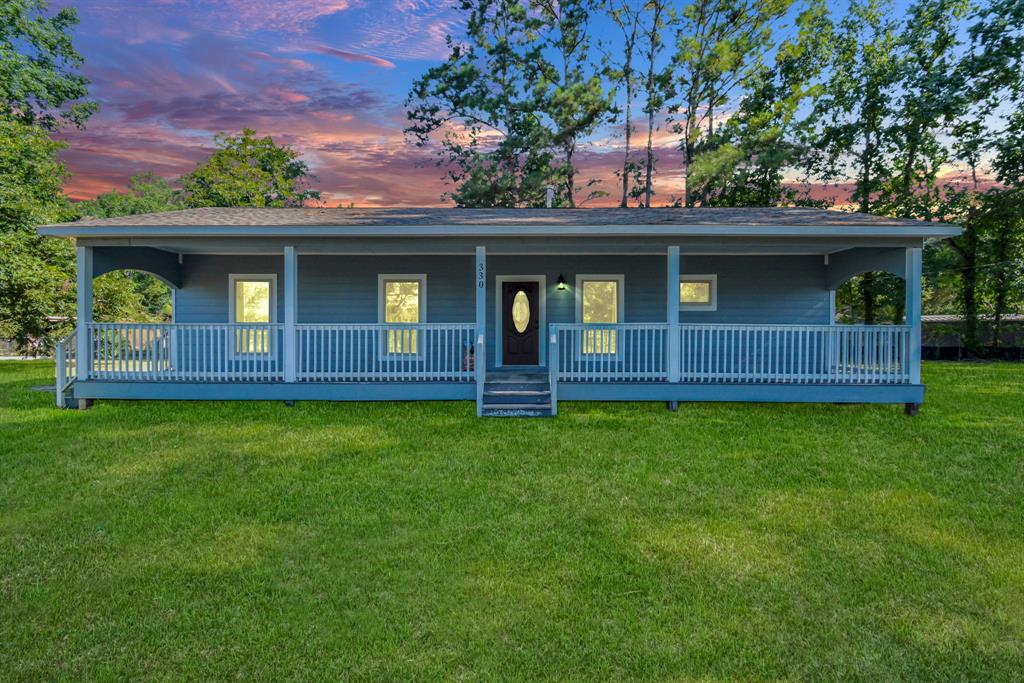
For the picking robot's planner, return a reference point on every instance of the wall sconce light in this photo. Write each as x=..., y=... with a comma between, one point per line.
x=561, y=283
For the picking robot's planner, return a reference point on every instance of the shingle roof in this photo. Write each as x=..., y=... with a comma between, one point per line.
x=747, y=217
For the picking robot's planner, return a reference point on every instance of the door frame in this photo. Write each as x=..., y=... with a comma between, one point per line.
x=542, y=292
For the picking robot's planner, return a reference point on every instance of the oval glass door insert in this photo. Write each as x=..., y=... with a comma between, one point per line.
x=521, y=311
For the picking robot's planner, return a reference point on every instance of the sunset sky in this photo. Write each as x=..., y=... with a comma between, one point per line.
x=327, y=76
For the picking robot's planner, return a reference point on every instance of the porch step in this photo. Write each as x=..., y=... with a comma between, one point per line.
x=517, y=410
x=517, y=394
x=504, y=396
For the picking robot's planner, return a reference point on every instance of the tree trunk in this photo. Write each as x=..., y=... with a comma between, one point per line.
x=570, y=175
x=867, y=297
x=629, y=134
x=650, y=160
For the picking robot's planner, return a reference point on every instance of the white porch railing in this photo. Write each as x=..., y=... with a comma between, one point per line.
x=438, y=352
x=795, y=354
x=176, y=352
x=784, y=354
x=254, y=352
x=625, y=352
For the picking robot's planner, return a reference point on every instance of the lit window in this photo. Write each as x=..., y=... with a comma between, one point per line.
x=600, y=300
x=252, y=307
x=402, y=303
x=698, y=292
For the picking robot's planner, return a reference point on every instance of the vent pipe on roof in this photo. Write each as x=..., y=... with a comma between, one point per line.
x=550, y=196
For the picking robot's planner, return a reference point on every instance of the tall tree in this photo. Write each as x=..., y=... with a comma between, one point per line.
x=658, y=16
x=39, y=78
x=932, y=97
x=626, y=16
x=569, y=88
x=480, y=110
x=246, y=170
x=718, y=44
x=768, y=133
x=856, y=136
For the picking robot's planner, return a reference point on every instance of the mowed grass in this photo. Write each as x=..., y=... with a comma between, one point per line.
x=170, y=541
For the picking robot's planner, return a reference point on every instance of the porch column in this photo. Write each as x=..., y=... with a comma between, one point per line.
x=480, y=354
x=83, y=350
x=912, y=273
x=831, y=307
x=291, y=304
x=672, y=314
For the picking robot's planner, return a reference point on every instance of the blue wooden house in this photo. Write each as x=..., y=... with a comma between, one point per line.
x=517, y=310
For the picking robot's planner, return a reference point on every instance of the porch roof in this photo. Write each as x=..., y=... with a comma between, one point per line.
x=432, y=222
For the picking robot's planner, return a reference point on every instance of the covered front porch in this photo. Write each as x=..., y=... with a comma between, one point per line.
x=770, y=337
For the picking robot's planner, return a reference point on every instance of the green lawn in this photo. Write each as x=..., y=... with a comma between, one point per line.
x=415, y=541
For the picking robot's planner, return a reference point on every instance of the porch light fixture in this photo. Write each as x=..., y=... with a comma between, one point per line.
x=561, y=283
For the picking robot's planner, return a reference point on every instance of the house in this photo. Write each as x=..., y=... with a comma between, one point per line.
x=517, y=310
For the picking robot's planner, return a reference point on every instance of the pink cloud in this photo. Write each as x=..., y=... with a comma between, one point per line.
x=353, y=56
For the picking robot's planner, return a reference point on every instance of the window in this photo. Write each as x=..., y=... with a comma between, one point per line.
x=698, y=292
x=599, y=302
x=253, y=301
x=402, y=302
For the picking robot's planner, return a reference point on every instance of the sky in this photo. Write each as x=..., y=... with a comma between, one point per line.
x=328, y=77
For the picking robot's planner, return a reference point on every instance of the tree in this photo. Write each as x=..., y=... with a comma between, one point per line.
x=480, y=109
x=746, y=159
x=246, y=170
x=856, y=135
x=147, y=193
x=37, y=274
x=931, y=99
x=718, y=44
x=568, y=90
x=659, y=15
x=626, y=18
x=39, y=79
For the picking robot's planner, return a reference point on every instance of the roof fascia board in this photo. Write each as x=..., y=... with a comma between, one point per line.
x=923, y=230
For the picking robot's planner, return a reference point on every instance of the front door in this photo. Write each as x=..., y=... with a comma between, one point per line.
x=520, y=326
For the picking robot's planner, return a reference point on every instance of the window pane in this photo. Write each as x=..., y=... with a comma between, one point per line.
x=402, y=305
x=252, y=301
x=600, y=305
x=600, y=301
x=252, y=305
x=402, y=301
x=695, y=292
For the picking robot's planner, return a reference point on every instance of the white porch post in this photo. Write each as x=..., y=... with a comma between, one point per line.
x=831, y=307
x=480, y=355
x=291, y=304
x=83, y=360
x=913, y=310
x=672, y=314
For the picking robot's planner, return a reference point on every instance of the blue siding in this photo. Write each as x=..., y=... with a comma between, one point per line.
x=204, y=295
x=784, y=290
x=343, y=289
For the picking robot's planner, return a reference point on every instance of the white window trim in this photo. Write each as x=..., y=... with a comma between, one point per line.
x=712, y=305
x=621, y=304
x=542, y=313
x=258, y=277
x=386, y=277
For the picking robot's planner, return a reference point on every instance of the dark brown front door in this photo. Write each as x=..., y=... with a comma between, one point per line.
x=520, y=323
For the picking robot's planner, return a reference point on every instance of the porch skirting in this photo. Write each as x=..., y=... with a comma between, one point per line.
x=444, y=391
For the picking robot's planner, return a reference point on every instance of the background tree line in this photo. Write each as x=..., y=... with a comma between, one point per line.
x=915, y=116
x=919, y=115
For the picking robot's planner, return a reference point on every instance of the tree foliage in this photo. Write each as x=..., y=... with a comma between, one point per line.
x=147, y=193
x=246, y=170
x=39, y=78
